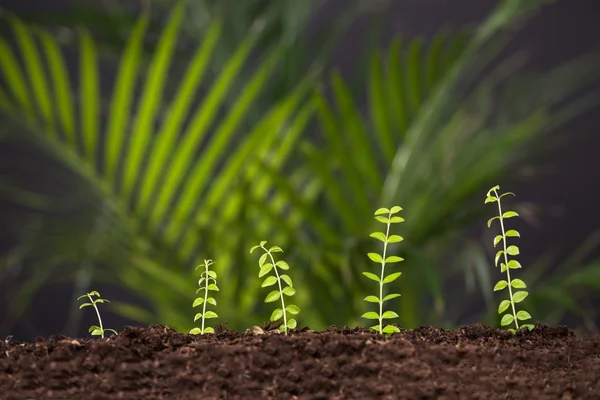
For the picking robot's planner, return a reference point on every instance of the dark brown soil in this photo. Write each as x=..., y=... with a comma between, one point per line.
x=476, y=362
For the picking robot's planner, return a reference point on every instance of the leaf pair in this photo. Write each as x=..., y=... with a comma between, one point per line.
x=267, y=264
x=209, y=279
x=507, y=265
x=382, y=259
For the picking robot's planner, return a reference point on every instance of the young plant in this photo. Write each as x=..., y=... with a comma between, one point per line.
x=508, y=265
x=96, y=330
x=266, y=264
x=209, y=279
x=386, y=238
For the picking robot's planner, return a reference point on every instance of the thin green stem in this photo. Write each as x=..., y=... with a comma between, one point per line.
x=510, y=294
x=280, y=290
x=387, y=233
x=98, y=314
x=205, y=295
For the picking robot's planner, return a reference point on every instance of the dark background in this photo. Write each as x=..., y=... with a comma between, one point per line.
x=567, y=192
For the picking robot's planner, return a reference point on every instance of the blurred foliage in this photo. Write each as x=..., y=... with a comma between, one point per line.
x=205, y=158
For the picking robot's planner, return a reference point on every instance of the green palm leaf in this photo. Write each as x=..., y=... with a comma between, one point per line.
x=148, y=166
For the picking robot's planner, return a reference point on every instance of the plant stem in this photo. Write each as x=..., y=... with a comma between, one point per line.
x=510, y=294
x=205, y=297
x=387, y=234
x=98, y=314
x=280, y=290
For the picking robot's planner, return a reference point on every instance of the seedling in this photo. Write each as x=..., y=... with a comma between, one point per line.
x=96, y=330
x=209, y=279
x=507, y=265
x=266, y=264
x=386, y=238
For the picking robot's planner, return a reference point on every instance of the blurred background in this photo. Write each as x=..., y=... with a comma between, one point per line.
x=139, y=138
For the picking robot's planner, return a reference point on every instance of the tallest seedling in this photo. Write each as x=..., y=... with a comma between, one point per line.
x=508, y=265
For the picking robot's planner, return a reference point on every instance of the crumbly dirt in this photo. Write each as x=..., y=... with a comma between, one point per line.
x=157, y=362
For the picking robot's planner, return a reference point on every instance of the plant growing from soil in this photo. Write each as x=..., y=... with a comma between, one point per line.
x=382, y=259
x=209, y=279
x=512, y=250
x=96, y=330
x=265, y=268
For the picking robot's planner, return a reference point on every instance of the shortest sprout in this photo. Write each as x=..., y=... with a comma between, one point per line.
x=207, y=282
x=95, y=330
x=267, y=264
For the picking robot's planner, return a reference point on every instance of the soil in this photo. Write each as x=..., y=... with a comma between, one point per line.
x=476, y=362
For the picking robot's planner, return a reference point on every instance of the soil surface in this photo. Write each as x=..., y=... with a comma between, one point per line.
x=475, y=362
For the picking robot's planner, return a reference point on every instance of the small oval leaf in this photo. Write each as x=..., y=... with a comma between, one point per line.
x=291, y=324
x=500, y=285
x=282, y=264
x=395, y=209
x=391, y=296
x=273, y=296
x=375, y=257
x=265, y=269
x=287, y=280
x=378, y=236
x=517, y=283
x=513, y=250
x=210, y=314
x=507, y=320
x=520, y=296
x=523, y=315
x=289, y=291
x=371, y=276
x=512, y=233
x=372, y=299
x=509, y=214
x=391, y=277
x=389, y=315
x=395, y=239
x=382, y=210
x=393, y=259
x=269, y=281
x=277, y=314
x=504, y=304
x=293, y=309
x=370, y=315
x=514, y=264
x=197, y=302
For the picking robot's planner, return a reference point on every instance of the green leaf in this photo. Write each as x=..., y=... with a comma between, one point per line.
x=287, y=280
x=498, y=255
x=211, y=300
x=288, y=291
x=213, y=286
x=507, y=320
x=393, y=259
x=277, y=314
x=497, y=240
x=97, y=332
x=197, y=316
x=500, y=285
x=265, y=269
x=273, y=296
x=395, y=209
x=379, y=236
x=390, y=329
x=512, y=233
x=198, y=301
x=489, y=223
x=375, y=257
x=504, y=304
x=514, y=264
x=276, y=249
x=523, y=315
x=375, y=327
x=391, y=296
x=292, y=309
x=395, y=239
x=208, y=329
x=528, y=326
x=391, y=277
x=370, y=315
x=212, y=274
x=282, y=264
x=371, y=276
x=254, y=248
x=210, y=314
x=384, y=220
x=85, y=305
x=292, y=323
x=195, y=331
x=520, y=296
x=513, y=250
x=509, y=214
x=517, y=283
x=396, y=220
x=262, y=259
x=490, y=199
x=270, y=281
x=382, y=210
x=151, y=98
x=372, y=299
x=389, y=315
x=503, y=267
